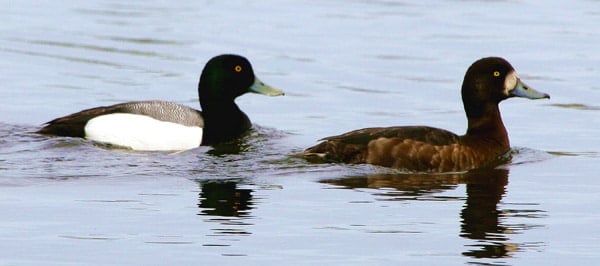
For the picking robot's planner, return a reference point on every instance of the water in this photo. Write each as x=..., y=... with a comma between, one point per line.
x=344, y=65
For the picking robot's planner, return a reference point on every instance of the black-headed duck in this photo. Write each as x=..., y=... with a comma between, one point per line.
x=161, y=125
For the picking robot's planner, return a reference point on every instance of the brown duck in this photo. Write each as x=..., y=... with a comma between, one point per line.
x=487, y=82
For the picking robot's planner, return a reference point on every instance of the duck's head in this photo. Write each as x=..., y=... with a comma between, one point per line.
x=490, y=80
x=228, y=76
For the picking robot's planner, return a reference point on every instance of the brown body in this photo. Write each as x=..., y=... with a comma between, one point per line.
x=426, y=149
x=415, y=148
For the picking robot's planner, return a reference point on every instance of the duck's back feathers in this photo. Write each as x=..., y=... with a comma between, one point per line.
x=432, y=135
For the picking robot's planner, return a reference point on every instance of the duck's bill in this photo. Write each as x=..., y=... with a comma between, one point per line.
x=262, y=88
x=522, y=90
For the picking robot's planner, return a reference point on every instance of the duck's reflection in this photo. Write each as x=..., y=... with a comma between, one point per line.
x=223, y=202
x=482, y=220
x=481, y=216
x=406, y=187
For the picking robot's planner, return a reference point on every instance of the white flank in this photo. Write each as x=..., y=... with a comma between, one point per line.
x=144, y=133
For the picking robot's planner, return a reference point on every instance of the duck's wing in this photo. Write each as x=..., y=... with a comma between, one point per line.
x=73, y=125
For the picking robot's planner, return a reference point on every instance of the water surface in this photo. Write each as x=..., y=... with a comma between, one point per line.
x=344, y=65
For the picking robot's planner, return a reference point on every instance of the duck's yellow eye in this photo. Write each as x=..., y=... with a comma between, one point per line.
x=238, y=68
x=496, y=73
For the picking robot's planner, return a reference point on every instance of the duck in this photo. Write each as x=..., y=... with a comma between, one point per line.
x=157, y=125
x=487, y=82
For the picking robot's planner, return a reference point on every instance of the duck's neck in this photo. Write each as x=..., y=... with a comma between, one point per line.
x=487, y=126
x=223, y=121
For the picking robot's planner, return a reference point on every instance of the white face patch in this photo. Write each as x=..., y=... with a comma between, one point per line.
x=510, y=82
x=143, y=133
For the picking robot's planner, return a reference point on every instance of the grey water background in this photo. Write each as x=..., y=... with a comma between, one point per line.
x=344, y=65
